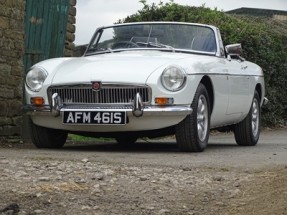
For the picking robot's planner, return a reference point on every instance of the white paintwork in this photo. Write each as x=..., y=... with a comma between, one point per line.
x=233, y=83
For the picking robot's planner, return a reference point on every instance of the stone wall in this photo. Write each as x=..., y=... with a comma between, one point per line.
x=71, y=29
x=11, y=65
x=12, y=16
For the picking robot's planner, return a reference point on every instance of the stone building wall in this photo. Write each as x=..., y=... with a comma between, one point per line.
x=11, y=65
x=12, y=29
x=71, y=29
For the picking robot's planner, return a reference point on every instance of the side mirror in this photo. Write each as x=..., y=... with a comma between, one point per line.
x=234, y=51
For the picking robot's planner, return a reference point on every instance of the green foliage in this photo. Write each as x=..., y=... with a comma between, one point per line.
x=78, y=138
x=264, y=42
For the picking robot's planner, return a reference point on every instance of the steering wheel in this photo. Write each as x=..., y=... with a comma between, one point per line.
x=124, y=44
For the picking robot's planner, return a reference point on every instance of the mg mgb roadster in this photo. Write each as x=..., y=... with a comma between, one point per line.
x=147, y=79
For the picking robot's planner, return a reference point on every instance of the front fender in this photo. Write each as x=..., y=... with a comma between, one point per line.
x=181, y=97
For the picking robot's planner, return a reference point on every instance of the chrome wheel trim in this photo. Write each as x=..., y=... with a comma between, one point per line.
x=202, y=118
x=255, y=117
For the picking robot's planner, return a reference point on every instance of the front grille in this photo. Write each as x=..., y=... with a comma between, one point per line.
x=108, y=94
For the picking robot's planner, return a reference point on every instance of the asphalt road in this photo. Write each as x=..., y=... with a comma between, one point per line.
x=222, y=151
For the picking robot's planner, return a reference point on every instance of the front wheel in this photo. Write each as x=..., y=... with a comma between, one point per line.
x=247, y=131
x=192, y=133
x=47, y=137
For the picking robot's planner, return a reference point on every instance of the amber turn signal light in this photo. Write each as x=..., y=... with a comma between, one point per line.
x=163, y=101
x=38, y=101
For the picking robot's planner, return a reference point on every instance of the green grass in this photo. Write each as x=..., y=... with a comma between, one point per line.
x=79, y=138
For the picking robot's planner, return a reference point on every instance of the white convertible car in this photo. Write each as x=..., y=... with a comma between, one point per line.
x=147, y=79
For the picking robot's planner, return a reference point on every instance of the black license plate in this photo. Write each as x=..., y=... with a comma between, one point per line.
x=95, y=117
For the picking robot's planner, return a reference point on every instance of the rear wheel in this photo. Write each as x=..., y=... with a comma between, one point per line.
x=46, y=137
x=247, y=131
x=192, y=133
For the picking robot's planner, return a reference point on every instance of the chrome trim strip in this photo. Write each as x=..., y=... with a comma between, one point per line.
x=30, y=109
x=147, y=111
x=229, y=74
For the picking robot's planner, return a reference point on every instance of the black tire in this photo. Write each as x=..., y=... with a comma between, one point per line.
x=247, y=131
x=188, y=134
x=126, y=139
x=46, y=137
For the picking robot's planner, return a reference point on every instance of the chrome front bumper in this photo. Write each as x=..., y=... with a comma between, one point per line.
x=137, y=109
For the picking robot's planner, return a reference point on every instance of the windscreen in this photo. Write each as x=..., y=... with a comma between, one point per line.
x=154, y=36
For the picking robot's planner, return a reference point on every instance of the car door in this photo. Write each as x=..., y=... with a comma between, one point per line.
x=238, y=86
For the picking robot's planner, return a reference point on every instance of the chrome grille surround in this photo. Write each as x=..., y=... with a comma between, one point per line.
x=108, y=94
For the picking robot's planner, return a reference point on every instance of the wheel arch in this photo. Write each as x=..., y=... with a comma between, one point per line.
x=258, y=88
x=206, y=81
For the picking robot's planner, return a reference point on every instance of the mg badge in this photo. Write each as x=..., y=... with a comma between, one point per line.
x=96, y=86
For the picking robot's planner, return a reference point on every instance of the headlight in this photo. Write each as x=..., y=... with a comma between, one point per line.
x=173, y=78
x=35, y=79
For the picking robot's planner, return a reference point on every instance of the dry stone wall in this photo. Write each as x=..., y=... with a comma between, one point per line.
x=71, y=29
x=12, y=13
x=12, y=30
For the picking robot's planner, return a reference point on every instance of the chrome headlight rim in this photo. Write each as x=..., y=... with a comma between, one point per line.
x=175, y=74
x=35, y=78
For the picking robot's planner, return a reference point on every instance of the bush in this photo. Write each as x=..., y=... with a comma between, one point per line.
x=264, y=42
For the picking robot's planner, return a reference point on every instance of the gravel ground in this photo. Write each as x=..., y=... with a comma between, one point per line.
x=37, y=181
